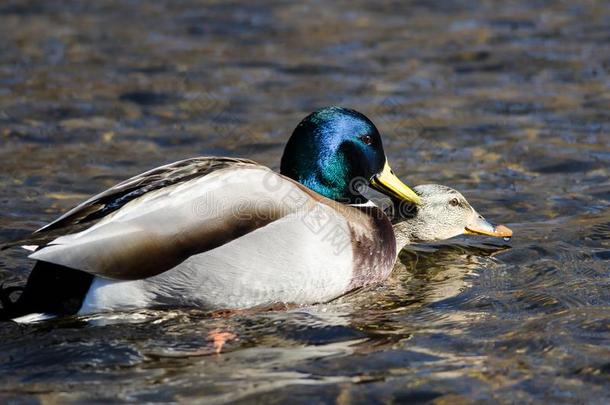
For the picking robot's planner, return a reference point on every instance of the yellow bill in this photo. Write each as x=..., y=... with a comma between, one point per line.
x=387, y=183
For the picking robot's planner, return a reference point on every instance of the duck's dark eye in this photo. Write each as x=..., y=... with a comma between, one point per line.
x=366, y=139
x=454, y=202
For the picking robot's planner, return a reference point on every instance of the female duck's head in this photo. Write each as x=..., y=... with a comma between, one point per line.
x=334, y=151
x=442, y=214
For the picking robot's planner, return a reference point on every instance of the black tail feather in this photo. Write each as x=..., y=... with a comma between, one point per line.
x=50, y=289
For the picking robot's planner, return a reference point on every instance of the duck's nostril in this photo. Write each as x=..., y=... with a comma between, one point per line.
x=481, y=216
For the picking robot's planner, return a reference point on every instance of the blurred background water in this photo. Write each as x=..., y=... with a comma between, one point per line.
x=505, y=101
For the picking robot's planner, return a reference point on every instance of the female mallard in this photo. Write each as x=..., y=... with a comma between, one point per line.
x=224, y=232
x=442, y=214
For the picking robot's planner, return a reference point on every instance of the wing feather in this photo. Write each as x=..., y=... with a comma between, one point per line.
x=117, y=196
x=161, y=228
x=114, y=198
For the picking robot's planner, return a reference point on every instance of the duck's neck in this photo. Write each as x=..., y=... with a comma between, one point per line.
x=405, y=224
x=402, y=232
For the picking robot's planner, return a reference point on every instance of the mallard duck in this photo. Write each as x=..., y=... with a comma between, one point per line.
x=441, y=214
x=217, y=232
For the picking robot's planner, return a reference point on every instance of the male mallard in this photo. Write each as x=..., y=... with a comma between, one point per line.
x=226, y=233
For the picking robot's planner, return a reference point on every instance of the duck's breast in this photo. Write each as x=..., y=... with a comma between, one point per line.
x=373, y=247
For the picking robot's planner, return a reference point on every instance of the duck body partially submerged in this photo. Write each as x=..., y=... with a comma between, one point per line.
x=224, y=232
x=279, y=243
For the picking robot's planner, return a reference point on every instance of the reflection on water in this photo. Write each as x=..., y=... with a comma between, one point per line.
x=508, y=103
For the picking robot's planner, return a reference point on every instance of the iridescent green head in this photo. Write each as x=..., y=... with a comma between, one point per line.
x=335, y=149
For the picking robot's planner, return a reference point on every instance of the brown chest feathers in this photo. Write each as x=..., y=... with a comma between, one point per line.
x=374, y=249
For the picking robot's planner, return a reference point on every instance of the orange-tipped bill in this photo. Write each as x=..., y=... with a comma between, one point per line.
x=480, y=226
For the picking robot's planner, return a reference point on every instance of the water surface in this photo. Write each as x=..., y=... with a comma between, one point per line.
x=507, y=103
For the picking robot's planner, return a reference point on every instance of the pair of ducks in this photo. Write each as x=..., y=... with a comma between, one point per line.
x=225, y=233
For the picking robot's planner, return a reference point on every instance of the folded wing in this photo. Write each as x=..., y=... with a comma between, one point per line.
x=155, y=221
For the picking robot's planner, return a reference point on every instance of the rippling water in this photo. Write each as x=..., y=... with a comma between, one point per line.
x=507, y=103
